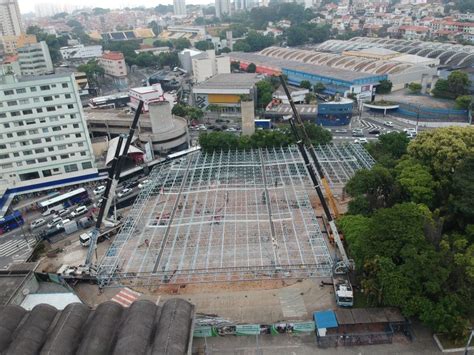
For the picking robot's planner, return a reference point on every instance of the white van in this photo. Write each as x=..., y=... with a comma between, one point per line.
x=85, y=239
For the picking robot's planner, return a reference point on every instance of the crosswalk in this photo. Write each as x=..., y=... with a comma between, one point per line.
x=126, y=297
x=369, y=125
x=12, y=247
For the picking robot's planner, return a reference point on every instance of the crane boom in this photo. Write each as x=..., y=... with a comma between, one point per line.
x=301, y=142
x=112, y=182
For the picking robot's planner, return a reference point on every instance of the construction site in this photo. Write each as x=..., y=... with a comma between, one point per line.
x=230, y=216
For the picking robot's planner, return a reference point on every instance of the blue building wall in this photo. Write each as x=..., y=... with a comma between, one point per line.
x=334, y=114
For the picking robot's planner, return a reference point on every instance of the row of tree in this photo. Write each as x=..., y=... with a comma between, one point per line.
x=213, y=141
x=410, y=227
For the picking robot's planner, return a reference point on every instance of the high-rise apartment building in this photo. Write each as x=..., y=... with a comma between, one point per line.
x=35, y=59
x=223, y=8
x=43, y=132
x=10, y=18
x=179, y=7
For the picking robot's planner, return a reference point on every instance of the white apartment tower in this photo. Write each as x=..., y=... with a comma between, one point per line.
x=43, y=131
x=10, y=18
x=179, y=7
x=223, y=8
x=35, y=59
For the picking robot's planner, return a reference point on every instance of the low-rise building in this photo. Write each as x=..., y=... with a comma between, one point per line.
x=35, y=59
x=113, y=64
x=12, y=43
x=80, y=51
x=10, y=65
x=207, y=64
x=43, y=130
x=147, y=94
x=224, y=91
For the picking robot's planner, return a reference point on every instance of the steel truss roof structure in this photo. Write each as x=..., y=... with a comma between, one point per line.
x=225, y=216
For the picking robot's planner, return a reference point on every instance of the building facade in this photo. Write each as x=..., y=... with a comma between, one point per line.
x=35, y=59
x=206, y=65
x=81, y=52
x=12, y=43
x=113, y=64
x=10, y=18
x=43, y=130
x=223, y=8
x=179, y=7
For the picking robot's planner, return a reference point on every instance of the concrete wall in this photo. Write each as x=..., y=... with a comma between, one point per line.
x=248, y=117
x=412, y=75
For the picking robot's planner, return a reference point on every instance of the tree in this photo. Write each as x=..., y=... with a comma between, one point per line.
x=179, y=110
x=203, y=45
x=251, y=68
x=181, y=43
x=416, y=182
x=242, y=46
x=415, y=88
x=264, y=93
x=156, y=28
x=462, y=191
x=389, y=148
x=384, y=87
x=296, y=36
x=226, y=50
x=456, y=85
x=316, y=134
x=309, y=98
x=162, y=43
x=93, y=71
x=319, y=87
x=443, y=149
x=146, y=59
x=234, y=66
x=168, y=59
x=305, y=84
x=463, y=102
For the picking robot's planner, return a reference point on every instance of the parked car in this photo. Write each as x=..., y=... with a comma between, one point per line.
x=361, y=141
x=358, y=132
x=126, y=191
x=374, y=131
x=62, y=223
x=79, y=211
x=62, y=212
x=341, y=131
x=38, y=223
x=54, y=222
x=132, y=184
x=99, y=190
x=143, y=183
x=231, y=129
x=388, y=123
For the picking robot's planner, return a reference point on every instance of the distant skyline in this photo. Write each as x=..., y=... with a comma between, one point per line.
x=29, y=5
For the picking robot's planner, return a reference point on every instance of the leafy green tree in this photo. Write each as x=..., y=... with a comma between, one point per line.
x=225, y=50
x=415, y=88
x=251, y=68
x=242, y=46
x=456, y=85
x=203, y=45
x=305, y=84
x=169, y=59
x=93, y=71
x=146, y=59
x=462, y=195
x=162, y=43
x=464, y=102
x=264, y=93
x=179, y=110
x=216, y=141
x=384, y=87
x=181, y=43
x=389, y=148
x=309, y=98
x=416, y=181
x=296, y=36
x=155, y=27
x=316, y=134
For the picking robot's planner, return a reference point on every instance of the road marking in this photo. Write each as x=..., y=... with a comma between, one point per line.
x=126, y=297
x=14, y=246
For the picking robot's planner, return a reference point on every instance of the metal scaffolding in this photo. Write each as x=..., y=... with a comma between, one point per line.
x=341, y=161
x=225, y=216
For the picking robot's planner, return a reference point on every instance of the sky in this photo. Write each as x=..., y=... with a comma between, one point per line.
x=29, y=5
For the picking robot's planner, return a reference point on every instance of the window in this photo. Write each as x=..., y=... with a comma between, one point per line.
x=47, y=173
x=53, y=86
x=33, y=89
x=36, y=99
x=44, y=87
x=4, y=156
x=42, y=160
x=45, y=130
x=67, y=96
x=30, y=162
x=47, y=139
x=3, y=115
x=13, y=145
x=53, y=119
x=8, y=92
x=73, y=115
x=30, y=122
x=50, y=108
x=80, y=144
x=24, y=101
x=70, y=168
x=50, y=149
x=42, y=120
x=61, y=147
x=6, y=125
x=70, y=106
x=3, y=146
x=33, y=131
x=64, y=126
x=39, y=150
x=12, y=103
x=9, y=135
x=27, y=112
x=16, y=154
x=48, y=98
x=87, y=165
x=20, y=91
x=75, y=125
x=64, y=85
x=36, y=141
x=64, y=156
x=21, y=133
x=58, y=138
x=54, y=158
x=6, y=166
x=83, y=154
x=27, y=152
x=24, y=144
x=39, y=110
x=56, y=96
x=69, y=145
x=59, y=107
x=15, y=113
x=19, y=163
x=56, y=128
x=78, y=135
x=18, y=123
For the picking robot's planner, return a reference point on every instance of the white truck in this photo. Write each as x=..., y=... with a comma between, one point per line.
x=343, y=291
x=110, y=231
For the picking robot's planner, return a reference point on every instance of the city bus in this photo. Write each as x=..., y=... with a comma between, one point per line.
x=64, y=200
x=11, y=222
